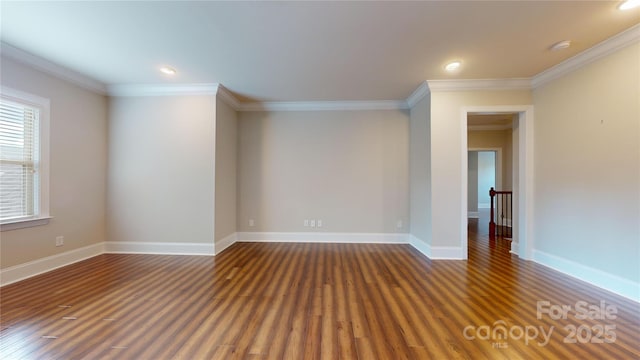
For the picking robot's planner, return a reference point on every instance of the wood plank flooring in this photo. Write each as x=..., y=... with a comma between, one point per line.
x=309, y=301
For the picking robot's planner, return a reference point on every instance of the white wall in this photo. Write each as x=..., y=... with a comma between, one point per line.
x=161, y=169
x=346, y=168
x=420, y=170
x=226, y=169
x=446, y=166
x=78, y=155
x=486, y=177
x=495, y=139
x=587, y=167
x=472, y=181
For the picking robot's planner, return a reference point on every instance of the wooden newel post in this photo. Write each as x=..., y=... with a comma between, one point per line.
x=492, y=223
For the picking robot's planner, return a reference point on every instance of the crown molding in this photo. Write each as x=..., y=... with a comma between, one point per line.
x=479, y=84
x=132, y=90
x=52, y=68
x=418, y=94
x=227, y=97
x=609, y=46
x=126, y=90
x=324, y=105
x=615, y=43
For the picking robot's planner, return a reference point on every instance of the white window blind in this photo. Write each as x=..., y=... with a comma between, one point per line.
x=19, y=160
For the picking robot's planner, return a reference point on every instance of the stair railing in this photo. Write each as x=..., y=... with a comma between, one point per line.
x=503, y=201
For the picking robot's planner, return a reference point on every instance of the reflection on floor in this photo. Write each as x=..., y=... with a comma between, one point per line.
x=478, y=230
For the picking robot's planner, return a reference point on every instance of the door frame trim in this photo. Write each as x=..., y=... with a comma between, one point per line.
x=523, y=241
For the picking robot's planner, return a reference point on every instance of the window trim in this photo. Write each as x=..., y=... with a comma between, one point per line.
x=43, y=216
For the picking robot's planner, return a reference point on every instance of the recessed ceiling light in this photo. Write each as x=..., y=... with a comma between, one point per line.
x=560, y=45
x=168, y=70
x=453, y=66
x=629, y=4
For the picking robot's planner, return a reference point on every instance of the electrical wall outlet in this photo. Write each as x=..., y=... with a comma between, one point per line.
x=312, y=223
x=399, y=224
x=252, y=222
x=59, y=240
x=319, y=223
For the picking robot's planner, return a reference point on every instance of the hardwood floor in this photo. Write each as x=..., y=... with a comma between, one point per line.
x=305, y=301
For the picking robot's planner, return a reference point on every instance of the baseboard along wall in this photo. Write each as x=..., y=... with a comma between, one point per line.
x=623, y=287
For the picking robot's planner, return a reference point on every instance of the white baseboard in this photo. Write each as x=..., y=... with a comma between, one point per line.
x=515, y=247
x=160, y=248
x=420, y=245
x=613, y=283
x=225, y=242
x=434, y=253
x=319, y=237
x=448, y=253
x=437, y=252
x=37, y=267
x=473, y=214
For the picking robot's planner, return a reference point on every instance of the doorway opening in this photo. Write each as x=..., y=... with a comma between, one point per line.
x=514, y=124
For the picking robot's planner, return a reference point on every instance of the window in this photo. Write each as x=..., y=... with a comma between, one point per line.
x=24, y=171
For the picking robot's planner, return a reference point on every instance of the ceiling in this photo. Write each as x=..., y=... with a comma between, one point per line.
x=308, y=51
